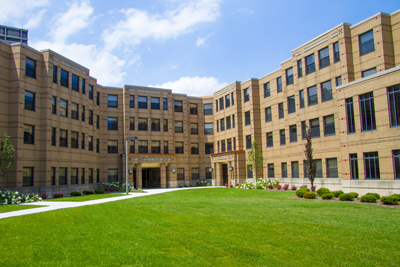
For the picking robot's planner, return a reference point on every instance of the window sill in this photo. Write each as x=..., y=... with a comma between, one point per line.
x=368, y=131
x=332, y=134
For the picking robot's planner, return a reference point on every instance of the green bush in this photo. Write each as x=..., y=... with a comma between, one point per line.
x=390, y=200
x=88, y=192
x=327, y=196
x=322, y=191
x=375, y=195
x=354, y=194
x=99, y=191
x=346, y=197
x=337, y=193
x=302, y=191
x=58, y=195
x=75, y=194
x=310, y=195
x=368, y=198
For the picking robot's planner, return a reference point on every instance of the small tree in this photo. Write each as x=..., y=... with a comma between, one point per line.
x=7, y=160
x=311, y=165
x=255, y=157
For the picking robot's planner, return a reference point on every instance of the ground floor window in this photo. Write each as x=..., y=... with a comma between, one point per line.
x=249, y=171
x=112, y=175
x=195, y=173
x=396, y=161
x=353, y=166
x=62, y=176
x=74, y=175
x=27, y=176
x=208, y=173
x=295, y=169
x=271, y=170
x=181, y=173
x=371, y=165
x=331, y=168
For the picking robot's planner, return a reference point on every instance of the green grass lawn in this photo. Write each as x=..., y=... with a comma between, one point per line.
x=85, y=198
x=206, y=227
x=7, y=208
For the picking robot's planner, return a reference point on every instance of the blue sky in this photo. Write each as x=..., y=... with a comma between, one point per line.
x=194, y=47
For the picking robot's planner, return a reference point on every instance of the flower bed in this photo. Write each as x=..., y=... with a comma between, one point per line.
x=10, y=197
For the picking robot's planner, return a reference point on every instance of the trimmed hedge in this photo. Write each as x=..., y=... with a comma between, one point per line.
x=337, y=193
x=390, y=200
x=368, y=198
x=88, y=192
x=58, y=195
x=75, y=194
x=346, y=197
x=99, y=191
x=374, y=194
x=310, y=195
x=302, y=191
x=322, y=191
x=327, y=196
x=354, y=194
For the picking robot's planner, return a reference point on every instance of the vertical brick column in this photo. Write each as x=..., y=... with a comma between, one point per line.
x=163, y=175
x=139, y=175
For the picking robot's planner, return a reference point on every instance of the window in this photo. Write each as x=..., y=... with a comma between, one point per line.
x=63, y=108
x=98, y=99
x=248, y=141
x=143, y=147
x=270, y=140
x=284, y=169
x=142, y=101
x=75, y=83
x=216, y=105
x=310, y=64
x=324, y=58
x=300, y=68
x=132, y=146
x=30, y=68
x=221, y=103
x=74, y=176
x=303, y=130
x=249, y=171
x=246, y=95
x=394, y=105
x=90, y=117
x=312, y=95
x=353, y=167
x=233, y=121
x=314, y=126
x=209, y=148
x=281, y=111
x=112, y=101
x=97, y=145
x=223, y=147
x=165, y=104
x=329, y=125
x=351, y=127
x=367, y=73
x=74, y=111
x=142, y=124
x=83, y=113
x=112, y=146
x=396, y=163
x=90, y=143
x=227, y=101
x=82, y=141
x=371, y=163
x=90, y=178
x=301, y=96
x=178, y=106
x=208, y=128
x=53, y=136
x=155, y=125
x=326, y=91
x=178, y=147
x=112, y=175
x=331, y=168
x=267, y=90
x=229, y=143
x=53, y=176
x=83, y=86
x=228, y=123
x=291, y=104
x=155, y=147
x=233, y=98
x=54, y=105
x=336, y=53
x=29, y=100
x=29, y=134
x=268, y=114
x=223, y=124
x=367, y=111
x=279, y=84
x=180, y=173
x=318, y=173
x=63, y=138
x=295, y=169
x=155, y=103
x=194, y=128
x=131, y=101
x=165, y=147
x=193, y=108
x=366, y=41
x=338, y=81
x=74, y=140
x=208, y=173
x=293, y=133
x=54, y=74
x=82, y=175
x=194, y=148
x=27, y=176
x=195, y=173
x=208, y=109
x=282, y=137
x=289, y=76
x=98, y=122
x=178, y=126
x=112, y=124
x=234, y=143
x=247, y=118
x=271, y=170
x=62, y=176
x=97, y=175
x=165, y=123
x=90, y=91
x=64, y=78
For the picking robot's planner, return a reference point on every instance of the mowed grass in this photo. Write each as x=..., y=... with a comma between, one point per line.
x=8, y=208
x=85, y=198
x=206, y=227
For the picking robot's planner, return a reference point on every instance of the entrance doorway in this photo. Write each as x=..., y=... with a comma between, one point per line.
x=151, y=178
x=224, y=174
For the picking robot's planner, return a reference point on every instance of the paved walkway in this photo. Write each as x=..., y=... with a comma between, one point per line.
x=57, y=205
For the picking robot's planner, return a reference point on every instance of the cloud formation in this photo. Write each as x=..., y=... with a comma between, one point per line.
x=200, y=41
x=15, y=12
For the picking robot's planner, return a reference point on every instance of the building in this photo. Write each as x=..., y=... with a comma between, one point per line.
x=70, y=132
x=13, y=35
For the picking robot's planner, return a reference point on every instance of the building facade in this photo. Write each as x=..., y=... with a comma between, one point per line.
x=70, y=132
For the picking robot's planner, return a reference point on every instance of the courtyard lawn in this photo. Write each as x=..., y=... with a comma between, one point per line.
x=206, y=227
x=8, y=208
x=85, y=198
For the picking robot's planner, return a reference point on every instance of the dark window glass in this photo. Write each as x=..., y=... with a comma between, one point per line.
x=166, y=147
x=329, y=125
x=178, y=106
x=282, y=136
x=143, y=149
x=83, y=86
x=394, y=105
x=194, y=129
x=180, y=173
x=178, y=147
x=53, y=136
x=155, y=147
x=142, y=124
x=82, y=141
x=268, y=114
x=301, y=96
x=312, y=95
x=63, y=108
x=233, y=121
x=165, y=123
x=155, y=125
x=193, y=109
x=281, y=111
x=248, y=142
x=310, y=64
x=303, y=130
x=326, y=91
x=314, y=126
x=90, y=91
x=165, y=104
x=233, y=99
x=367, y=111
x=97, y=175
x=208, y=109
x=83, y=113
x=209, y=148
x=29, y=100
x=366, y=42
x=112, y=146
x=132, y=146
x=208, y=173
x=229, y=142
x=63, y=138
x=223, y=148
x=300, y=68
x=289, y=76
x=396, y=163
x=112, y=176
x=324, y=58
x=29, y=134
x=267, y=90
x=194, y=148
x=74, y=140
x=142, y=101
x=246, y=95
x=90, y=143
x=131, y=101
x=222, y=124
x=284, y=169
x=367, y=73
x=371, y=165
x=90, y=117
x=155, y=103
x=74, y=111
x=228, y=123
x=270, y=140
x=90, y=178
x=331, y=168
x=30, y=68
x=75, y=83
x=246, y=118
x=62, y=176
x=216, y=105
x=221, y=103
x=249, y=171
x=112, y=101
x=353, y=166
x=336, y=53
x=279, y=84
x=54, y=74
x=97, y=145
x=195, y=173
x=227, y=101
x=351, y=127
x=208, y=128
x=271, y=170
x=291, y=102
x=82, y=175
x=112, y=124
x=64, y=78
x=53, y=176
x=54, y=105
x=295, y=169
x=338, y=81
x=178, y=126
x=293, y=133
x=27, y=174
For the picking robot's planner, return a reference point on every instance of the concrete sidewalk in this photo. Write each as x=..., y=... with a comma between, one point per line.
x=57, y=205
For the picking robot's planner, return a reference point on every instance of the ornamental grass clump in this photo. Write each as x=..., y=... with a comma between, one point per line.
x=368, y=198
x=327, y=196
x=302, y=191
x=337, y=193
x=310, y=195
x=322, y=191
x=346, y=197
x=11, y=197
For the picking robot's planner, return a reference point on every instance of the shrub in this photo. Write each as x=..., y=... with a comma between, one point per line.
x=248, y=185
x=294, y=187
x=226, y=185
x=45, y=196
x=346, y=197
x=322, y=191
x=88, y=192
x=354, y=194
x=75, y=194
x=337, y=193
x=313, y=188
x=327, y=196
x=376, y=195
x=271, y=186
x=99, y=191
x=11, y=197
x=202, y=183
x=58, y=195
x=368, y=198
x=390, y=200
x=231, y=186
x=285, y=187
x=302, y=191
x=310, y=195
x=279, y=187
x=303, y=186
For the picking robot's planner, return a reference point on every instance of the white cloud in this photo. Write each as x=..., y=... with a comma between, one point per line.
x=14, y=13
x=200, y=41
x=194, y=86
x=173, y=67
x=139, y=24
x=35, y=20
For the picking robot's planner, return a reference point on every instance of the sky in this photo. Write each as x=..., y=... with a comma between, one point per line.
x=194, y=47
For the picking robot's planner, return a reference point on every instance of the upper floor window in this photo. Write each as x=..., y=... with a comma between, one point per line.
x=301, y=97
x=281, y=111
x=142, y=124
x=366, y=41
x=112, y=101
x=74, y=111
x=351, y=127
x=193, y=108
x=131, y=101
x=248, y=141
x=228, y=123
x=54, y=105
x=267, y=89
x=83, y=86
x=279, y=84
x=98, y=98
x=336, y=53
x=369, y=72
x=165, y=124
x=394, y=105
x=324, y=57
x=143, y=147
x=112, y=146
x=233, y=98
x=270, y=140
x=314, y=126
x=300, y=68
x=30, y=68
x=289, y=76
x=246, y=95
x=208, y=109
x=155, y=103
x=208, y=128
x=282, y=137
x=194, y=148
x=312, y=95
x=268, y=114
x=179, y=126
x=293, y=133
x=329, y=125
x=29, y=100
x=112, y=123
x=367, y=112
x=338, y=81
x=227, y=101
x=310, y=64
x=64, y=78
x=63, y=108
x=29, y=134
x=90, y=91
x=75, y=83
x=155, y=124
x=155, y=147
x=142, y=101
x=209, y=148
x=291, y=102
x=132, y=123
x=326, y=91
x=165, y=104
x=222, y=121
x=54, y=74
x=216, y=105
x=178, y=107
x=178, y=147
x=194, y=128
x=221, y=103
x=247, y=118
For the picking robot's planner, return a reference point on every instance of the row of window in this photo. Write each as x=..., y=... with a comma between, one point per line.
x=225, y=101
x=230, y=123
x=226, y=146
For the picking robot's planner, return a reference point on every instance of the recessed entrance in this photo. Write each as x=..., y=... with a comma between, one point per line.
x=151, y=178
x=224, y=174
